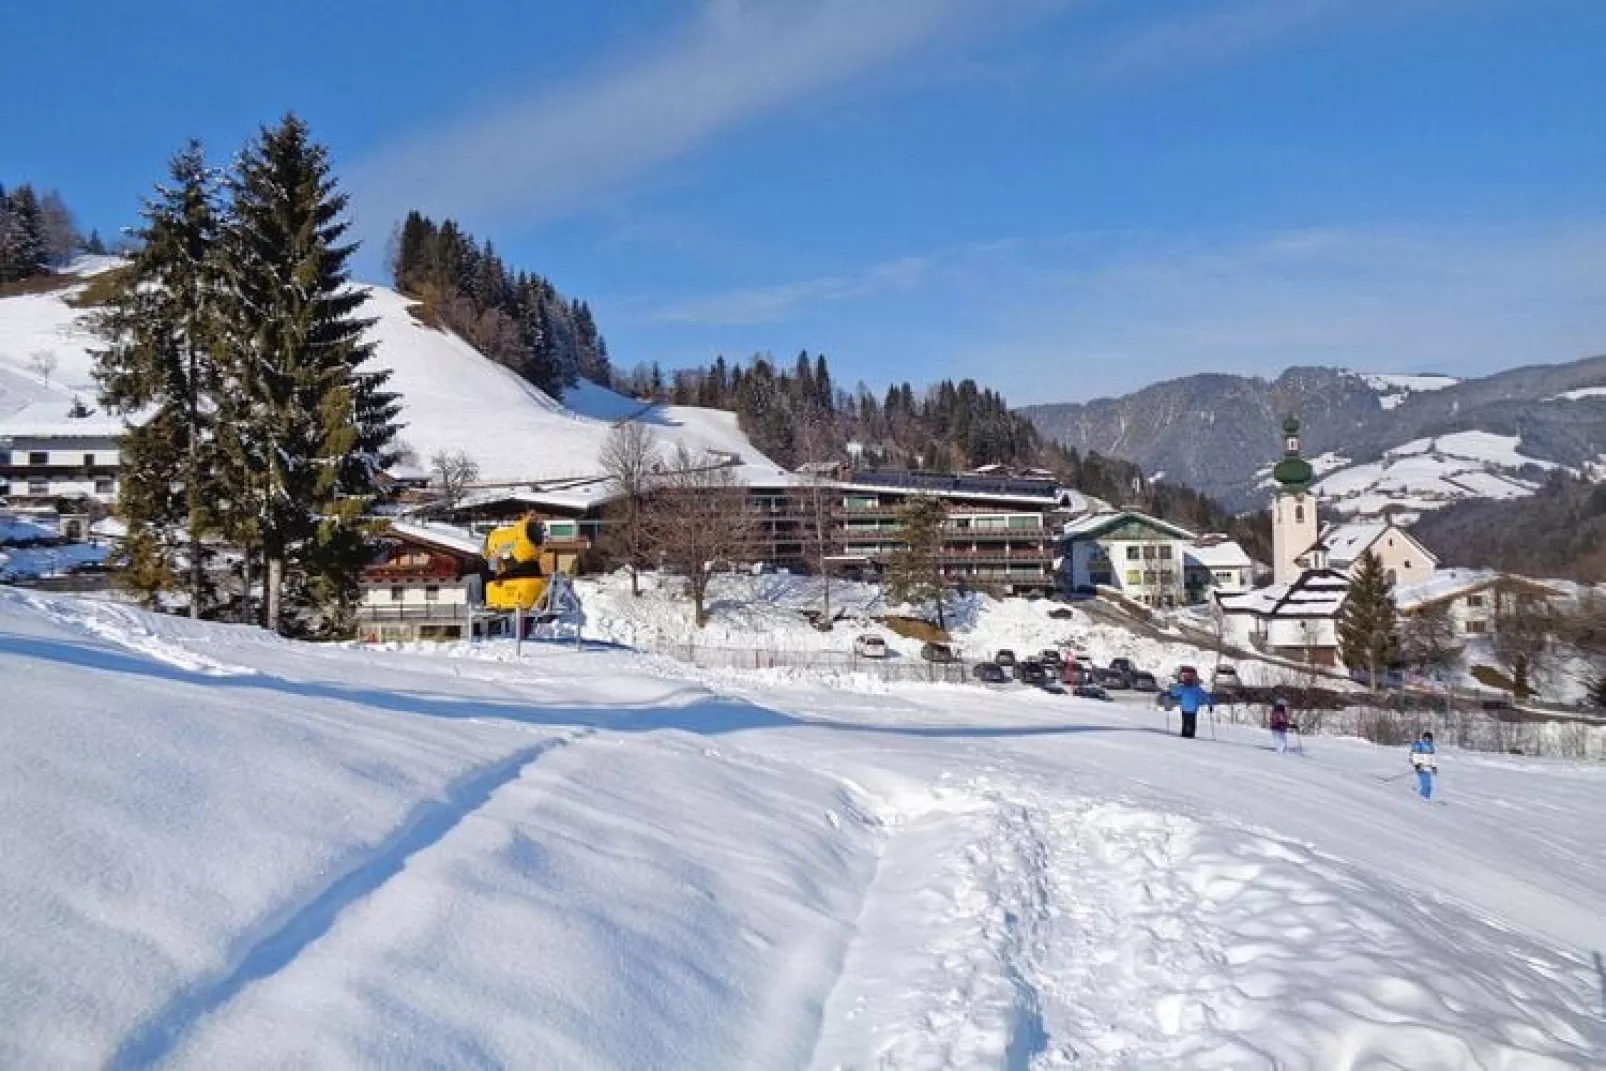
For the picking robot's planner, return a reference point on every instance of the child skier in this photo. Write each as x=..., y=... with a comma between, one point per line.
x=1189, y=696
x=1423, y=761
x=1279, y=725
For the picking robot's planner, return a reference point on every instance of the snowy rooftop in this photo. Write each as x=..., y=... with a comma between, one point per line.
x=1226, y=554
x=446, y=536
x=49, y=420
x=1094, y=523
x=1317, y=593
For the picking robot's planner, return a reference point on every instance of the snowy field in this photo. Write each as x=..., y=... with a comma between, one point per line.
x=1426, y=474
x=227, y=850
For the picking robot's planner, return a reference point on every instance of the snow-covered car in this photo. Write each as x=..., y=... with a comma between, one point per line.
x=870, y=646
x=1004, y=657
x=989, y=673
x=1090, y=691
x=1143, y=681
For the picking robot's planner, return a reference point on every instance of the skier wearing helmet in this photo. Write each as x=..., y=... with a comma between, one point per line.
x=1188, y=695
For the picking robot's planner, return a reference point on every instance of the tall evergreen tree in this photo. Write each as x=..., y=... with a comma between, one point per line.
x=914, y=570
x=309, y=425
x=26, y=254
x=162, y=334
x=1367, y=625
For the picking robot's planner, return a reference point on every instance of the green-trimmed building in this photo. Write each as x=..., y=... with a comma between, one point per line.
x=1142, y=557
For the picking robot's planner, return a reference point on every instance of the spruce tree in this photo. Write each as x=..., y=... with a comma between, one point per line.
x=309, y=423
x=1367, y=632
x=162, y=334
x=27, y=252
x=914, y=571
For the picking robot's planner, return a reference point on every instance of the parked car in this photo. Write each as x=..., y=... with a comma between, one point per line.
x=1225, y=681
x=938, y=652
x=1112, y=678
x=1124, y=665
x=989, y=673
x=1032, y=672
x=1051, y=657
x=1090, y=691
x=870, y=646
x=1144, y=682
x=1005, y=657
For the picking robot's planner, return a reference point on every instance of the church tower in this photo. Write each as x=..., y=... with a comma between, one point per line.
x=1293, y=508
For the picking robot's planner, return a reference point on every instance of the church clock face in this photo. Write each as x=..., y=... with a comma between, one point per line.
x=1293, y=444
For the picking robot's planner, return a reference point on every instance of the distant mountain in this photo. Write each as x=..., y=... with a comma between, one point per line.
x=1398, y=443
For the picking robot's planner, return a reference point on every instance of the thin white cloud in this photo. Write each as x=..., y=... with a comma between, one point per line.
x=736, y=61
x=771, y=304
x=1218, y=33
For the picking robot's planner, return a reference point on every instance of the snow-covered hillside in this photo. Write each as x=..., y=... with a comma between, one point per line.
x=453, y=397
x=1392, y=390
x=227, y=850
x=1426, y=474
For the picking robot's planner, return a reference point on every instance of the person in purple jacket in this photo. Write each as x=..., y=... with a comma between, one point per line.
x=1279, y=722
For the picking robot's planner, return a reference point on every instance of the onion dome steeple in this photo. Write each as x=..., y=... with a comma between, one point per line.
x=1293, y=473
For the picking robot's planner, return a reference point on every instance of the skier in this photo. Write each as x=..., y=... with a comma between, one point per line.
x=1279, y=725
x=1189, y=696
x=1423, y=761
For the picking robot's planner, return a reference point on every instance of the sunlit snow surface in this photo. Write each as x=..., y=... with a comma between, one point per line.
x=226, y=850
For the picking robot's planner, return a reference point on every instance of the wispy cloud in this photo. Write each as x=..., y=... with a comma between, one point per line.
x=735, y=61
x=770, y=304
x=1217, y=33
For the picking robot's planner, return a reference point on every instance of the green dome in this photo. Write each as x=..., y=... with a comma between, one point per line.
x=1291, y=425
x=1293, y=473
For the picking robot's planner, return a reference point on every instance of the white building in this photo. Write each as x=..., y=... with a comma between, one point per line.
x=1215, y=563
x=1406, y=561
x=1297, y=621
x=424, y=584
x=46, y=455
x=1142, y=557
x=1469, y=597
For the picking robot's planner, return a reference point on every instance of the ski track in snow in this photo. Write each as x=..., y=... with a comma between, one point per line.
x=711, y=870
x=282, y=940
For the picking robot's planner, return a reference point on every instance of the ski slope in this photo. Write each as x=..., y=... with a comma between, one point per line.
x=228, y=850
x=453, y=398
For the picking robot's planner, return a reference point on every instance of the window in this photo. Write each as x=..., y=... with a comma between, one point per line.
x=432, y=593
x=1224, y=576
x=38, y=487
x=5, y=489
x=1299, y=513
x=1407, y=563
x=1477, y=628
x=397, y=594
x=859, y=502
x=1149, y=576
x=1026, y=522
x=1148, y=553
x=1474, y=601
x=1134, y=576
x=89, y=461
x=1165, y=553
x=1133, y=554
x=38, y=457
x=1393, y=578
x=1167, y=577
x=104, y=485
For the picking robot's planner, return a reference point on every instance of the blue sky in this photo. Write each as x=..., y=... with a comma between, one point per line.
x=1062, y=198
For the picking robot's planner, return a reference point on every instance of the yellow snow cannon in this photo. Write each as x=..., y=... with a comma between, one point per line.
x=518, y=565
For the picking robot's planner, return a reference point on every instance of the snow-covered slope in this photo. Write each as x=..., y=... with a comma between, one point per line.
x=1392, y=390
x=1427, y=474
x=453, y=397
x=226, y=850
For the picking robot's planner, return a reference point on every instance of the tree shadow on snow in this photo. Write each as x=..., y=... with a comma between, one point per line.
x=706, y=714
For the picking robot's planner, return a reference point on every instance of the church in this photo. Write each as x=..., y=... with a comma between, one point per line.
x=1296, y=617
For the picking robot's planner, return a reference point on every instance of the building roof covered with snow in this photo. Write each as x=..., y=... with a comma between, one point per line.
x=1109, y=522
x=444, y=536
x=1343, y=544
x=1218, y=554
x=1317, y=593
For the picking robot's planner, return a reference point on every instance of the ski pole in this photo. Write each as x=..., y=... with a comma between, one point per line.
x=1396, y=777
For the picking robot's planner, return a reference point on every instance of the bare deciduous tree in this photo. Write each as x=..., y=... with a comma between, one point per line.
x=630, y=458
x=1524, y=627
x=815, y=496
x=1428, y=638
x=697, y=519
x=453, y=472
x=42, y=364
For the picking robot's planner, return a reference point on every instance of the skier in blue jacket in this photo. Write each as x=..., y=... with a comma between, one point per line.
x=1424, y=761
x=1189, y=696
